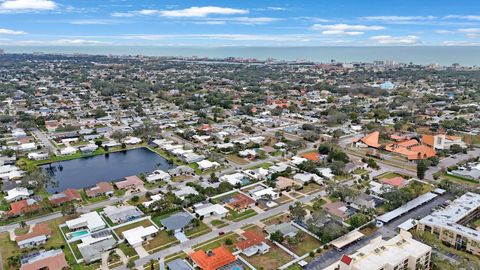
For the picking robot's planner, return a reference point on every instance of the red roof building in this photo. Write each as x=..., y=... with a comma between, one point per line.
x=67, y=195
x=37, y=230
x=54, y=260
x=251, y=239
x=130, y=182
x=101, y=188
x=22, y=207
x=214, y=260
x=395, y=181
x=240, y=201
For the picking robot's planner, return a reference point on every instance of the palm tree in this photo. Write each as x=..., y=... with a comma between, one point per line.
x=22, y=224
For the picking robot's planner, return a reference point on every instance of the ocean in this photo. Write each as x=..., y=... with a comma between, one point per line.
x=443, y=55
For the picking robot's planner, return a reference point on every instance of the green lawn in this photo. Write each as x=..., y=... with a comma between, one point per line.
x=160, y=241
x=202, y=228
x=128, y=250
x=237, y=159
x=76, y=251
x=219, y=223
x=310, y=188
x=307, y=244
x=216, y=242
x=156, y=219
x=237, y=216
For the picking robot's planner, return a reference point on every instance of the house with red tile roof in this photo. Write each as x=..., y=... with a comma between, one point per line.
x=23, y=207
x=102, y=188
x=214, y=259
x=37, y=236
x=47, y=260
x=412, y=149
x=67, y=195
x=312, y=156
x=398, y=181
x=369, y=140
x=129, y=182
x=252, y=243
x=240, y=202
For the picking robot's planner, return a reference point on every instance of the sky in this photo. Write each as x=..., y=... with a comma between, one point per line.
x=240, y=22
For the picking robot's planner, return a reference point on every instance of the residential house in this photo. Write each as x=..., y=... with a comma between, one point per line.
x=181, y=171
x=130, y=182
x=101, y=188
x=240, y=202
x=93, y=246
x=284, y=183
x=177, y=222
x=184, y=192
x=67, y=195
x=306, y=178
x=262, y=193
x=287, y=229
x=91, y=221
x=369, y=140
x=208, y=209
x=215, y=259
x=137, y=236
x=23, y=207
x=158, y=175
x=53, y=259
x=18, y=193
x=38, y=235
x=122, y=213
x=252, y=243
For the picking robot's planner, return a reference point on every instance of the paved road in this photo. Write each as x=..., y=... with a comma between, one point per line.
x=388, y=231
x=209, y=236
x=44, y=139
x=449, y=161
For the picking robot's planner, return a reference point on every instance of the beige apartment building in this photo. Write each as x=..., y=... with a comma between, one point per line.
x=451, y=224
x=401, y=252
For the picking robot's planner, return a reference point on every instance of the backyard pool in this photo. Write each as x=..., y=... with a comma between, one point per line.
x=77, y=234
x=87, y=171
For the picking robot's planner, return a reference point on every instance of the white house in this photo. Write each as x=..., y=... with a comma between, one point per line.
x=158, y=175
x=132, y=140
x=68, y=151
x=233, y=179
x=258, y=174
x=37, y=156
x=263, y=193
x=307, y=177
x=18, y=193
x=208, y=209
x=326, y=172
x=136, y=236
x=91, y=221
x=207, y=164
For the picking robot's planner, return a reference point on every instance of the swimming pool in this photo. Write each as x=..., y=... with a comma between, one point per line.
x=77, y=234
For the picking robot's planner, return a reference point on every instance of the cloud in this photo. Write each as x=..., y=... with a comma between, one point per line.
x=390, y=40
x=233, y=37
x=4, y=31
x=470, y=32
x=342, y=33
x=211, y=22
x=460, y=43
x=62, y=42
x=464, y=17
x=398, y=18
x=443, y=31
x=13, y=5
x=253, y=20
x=184, y=13
x=345, y=29
x=94, y=22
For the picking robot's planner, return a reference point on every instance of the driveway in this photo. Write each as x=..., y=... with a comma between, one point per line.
x=141, y=251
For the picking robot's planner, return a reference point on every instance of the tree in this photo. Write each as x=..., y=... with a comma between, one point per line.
x=39, y=179
x=130, y=264
x=422, y=167
x=277, y=236
x=455, y=149
x=337, y=167
x=297, y=211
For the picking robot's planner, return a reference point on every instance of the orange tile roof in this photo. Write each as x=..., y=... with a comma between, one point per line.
x=252, y=238
x=395, y=181
x=408, y=143
x=21, y=207
x=130, y=181
x=37, y=230
x=219, y=257
x=313, y=156
x=428, y=139
x=371, y=139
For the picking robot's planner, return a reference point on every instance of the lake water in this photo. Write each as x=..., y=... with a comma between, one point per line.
x=87, y=171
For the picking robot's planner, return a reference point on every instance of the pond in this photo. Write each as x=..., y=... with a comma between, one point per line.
x=87, y=171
